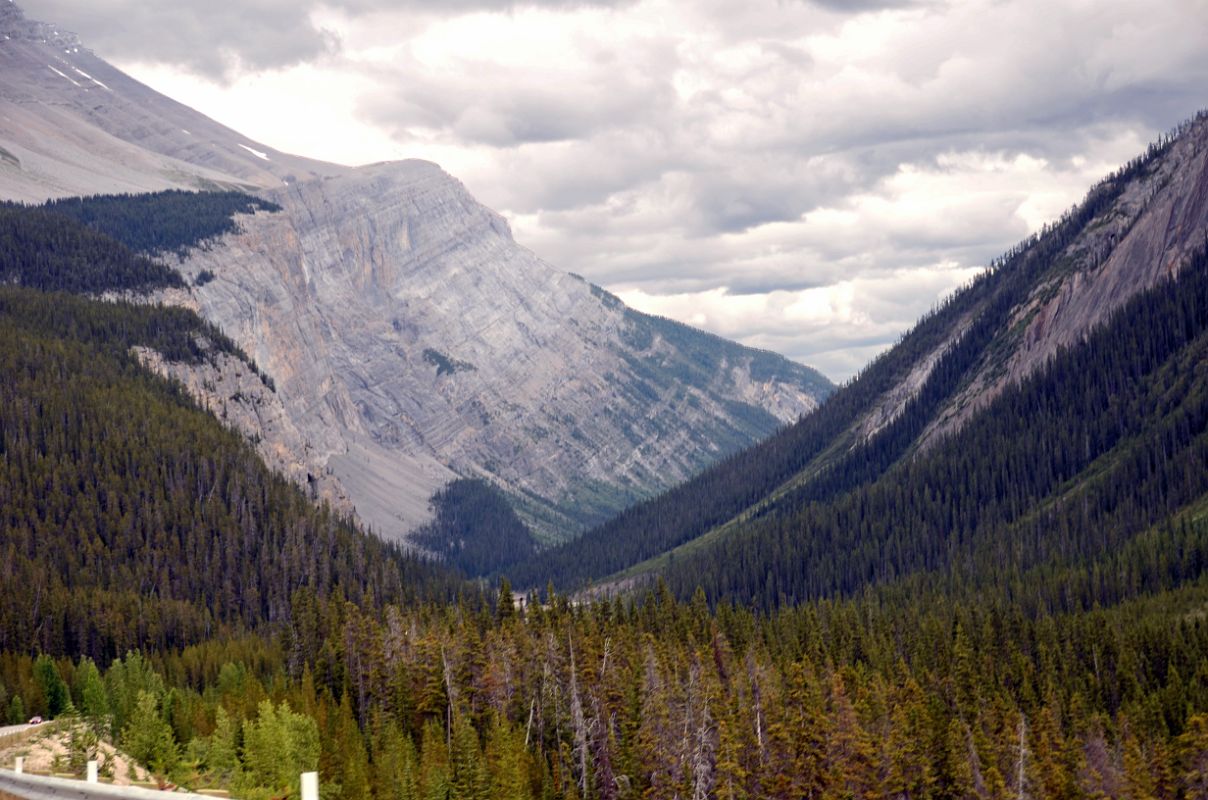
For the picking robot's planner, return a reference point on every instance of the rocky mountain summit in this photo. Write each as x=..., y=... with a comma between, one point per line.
x=410, y=338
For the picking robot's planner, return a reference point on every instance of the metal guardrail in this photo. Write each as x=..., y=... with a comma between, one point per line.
x=37, y=787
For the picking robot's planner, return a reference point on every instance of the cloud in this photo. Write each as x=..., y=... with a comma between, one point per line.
x=222, y=40
x=214, y=39
x=732, y=163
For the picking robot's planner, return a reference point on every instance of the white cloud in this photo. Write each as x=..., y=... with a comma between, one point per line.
x=803, y=176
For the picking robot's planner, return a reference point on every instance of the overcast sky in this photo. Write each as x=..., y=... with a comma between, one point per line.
x=808, y=177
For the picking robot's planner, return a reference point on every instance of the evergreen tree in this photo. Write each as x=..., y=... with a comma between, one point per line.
x=92, y=700
x=222, y=755
x=278, y=746
x=126, y=681
x=52, y=689
x=148, y=737
x=16, y=710
x=1193, y=757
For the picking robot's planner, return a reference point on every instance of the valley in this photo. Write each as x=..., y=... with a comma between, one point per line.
x=314, y=468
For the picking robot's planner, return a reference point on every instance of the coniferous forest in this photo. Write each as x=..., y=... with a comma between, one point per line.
x=1017, y=612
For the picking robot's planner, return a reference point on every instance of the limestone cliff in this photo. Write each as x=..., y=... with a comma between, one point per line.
x=411, y=339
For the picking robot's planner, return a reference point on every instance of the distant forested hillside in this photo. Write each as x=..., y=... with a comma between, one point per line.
x=1108, y=440
x=169, y=221
x=131, y=518
x=95, y=244
x=475, y=528
x=814, y=467
x=47, y=251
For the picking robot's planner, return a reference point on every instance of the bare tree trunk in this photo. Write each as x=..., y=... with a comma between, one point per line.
x=1023, y=749
x=580, y=724
x=449, y=695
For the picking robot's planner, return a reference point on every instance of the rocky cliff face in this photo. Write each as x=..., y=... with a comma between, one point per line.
x=1159, y=218
x=410, y=338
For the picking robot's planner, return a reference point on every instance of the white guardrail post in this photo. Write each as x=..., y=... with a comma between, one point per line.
x=19, y=767
x=92, y=772
x=310, y=786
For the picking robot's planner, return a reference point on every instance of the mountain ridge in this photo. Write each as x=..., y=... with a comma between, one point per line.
x=1133, y=231
x=411, y=339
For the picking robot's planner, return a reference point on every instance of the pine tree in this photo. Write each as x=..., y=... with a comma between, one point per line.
x=468, y=774
x=505, y=605
x=350, y=759
x=16, y=710
x=849, y=752
x=434, y=778
x=92, y=699
x=51, y=686
x=278, y=746
x=394, y=767
x=148, y=737
x=222, y=756
x=1193, y=757
x=125, y=680
x=507, y=761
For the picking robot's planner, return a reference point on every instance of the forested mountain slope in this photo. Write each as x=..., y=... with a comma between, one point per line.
x=130, y=517
x=413, y=342
x=1137, y=228
x=1054, y=645
x=1109, y=439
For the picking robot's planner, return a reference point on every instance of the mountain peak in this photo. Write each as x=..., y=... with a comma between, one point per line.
x=15, y=25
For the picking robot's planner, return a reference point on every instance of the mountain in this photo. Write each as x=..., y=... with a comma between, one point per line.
x=1024, y=400
x=133, y=518
x=243, y=635
x=412, y=341
x=1012, y=606
x=71, y=124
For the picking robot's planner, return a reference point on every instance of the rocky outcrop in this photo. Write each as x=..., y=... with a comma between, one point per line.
x=1159, y=218
x=412, y=339
x=232, y=392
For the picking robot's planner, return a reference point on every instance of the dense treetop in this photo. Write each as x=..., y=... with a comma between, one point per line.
x=162, y=222
x=47, y=251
